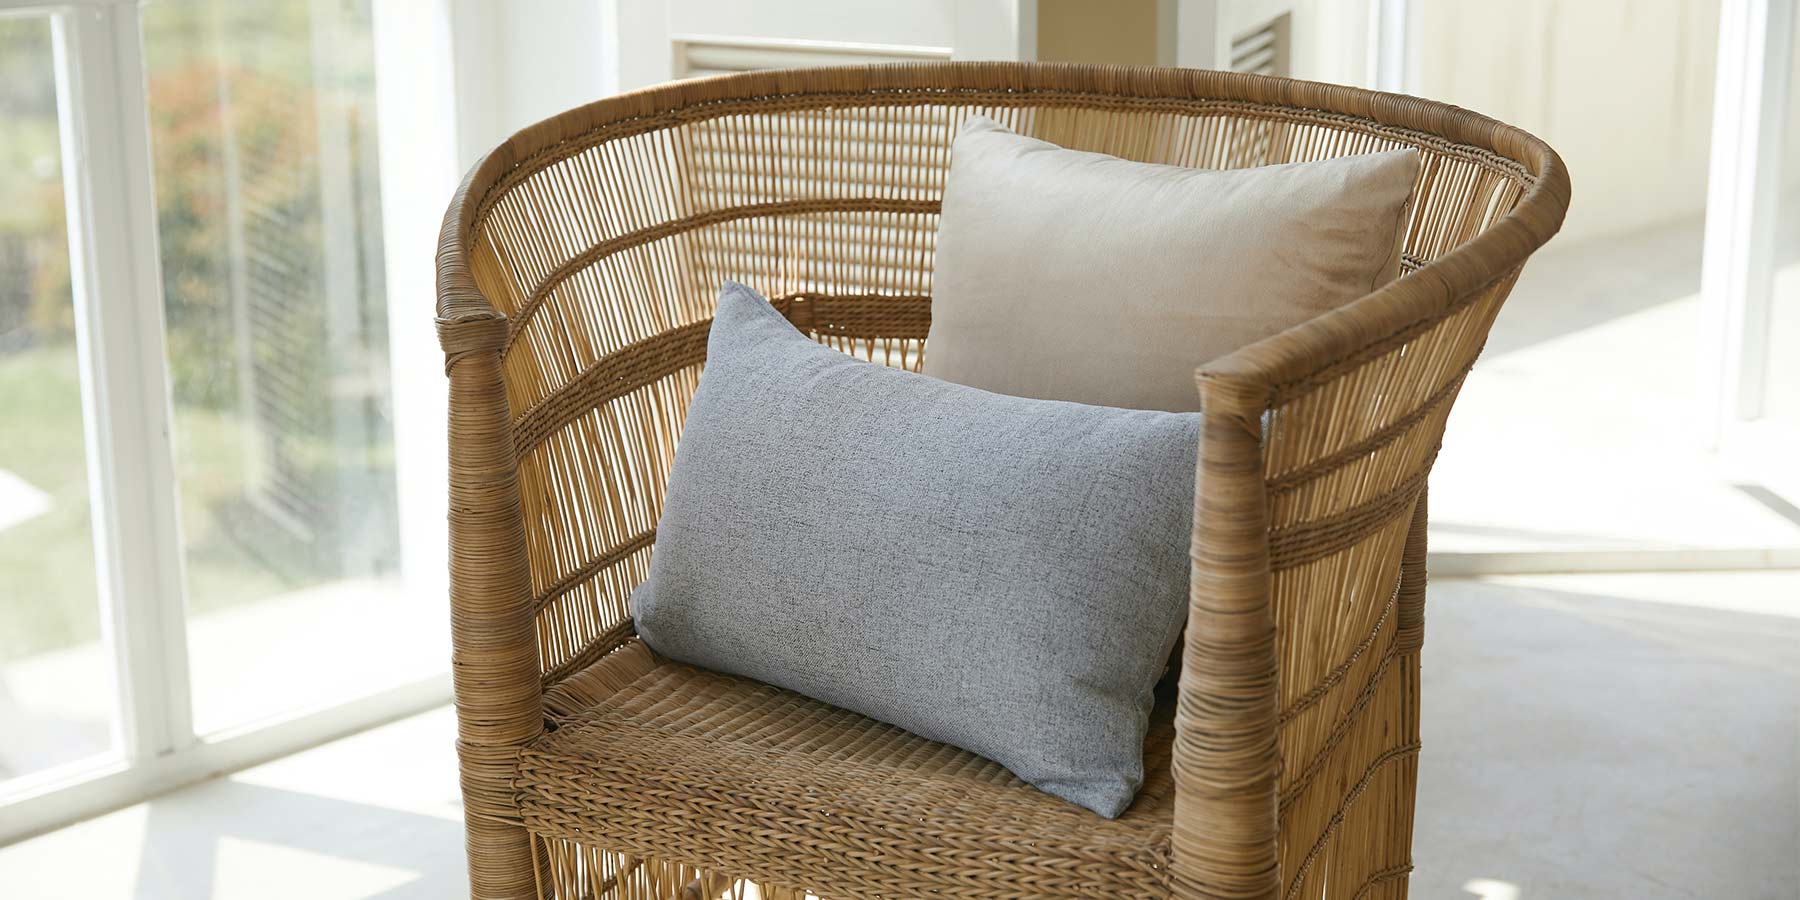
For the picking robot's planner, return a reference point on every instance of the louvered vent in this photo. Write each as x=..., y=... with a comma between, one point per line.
x=1264, y=50
x=698, y=56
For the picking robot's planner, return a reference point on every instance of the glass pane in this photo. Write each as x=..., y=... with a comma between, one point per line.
x=263, y=123
x=1781, y=389
x=55, y=686
x=1781, y=392
x=1580, y=428
x=1765, y=447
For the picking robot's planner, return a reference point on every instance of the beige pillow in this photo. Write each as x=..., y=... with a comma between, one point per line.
x=1067, y=275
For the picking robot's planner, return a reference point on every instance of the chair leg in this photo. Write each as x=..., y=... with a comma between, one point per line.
x=494, y=656
x=707, y=886
x=1410, y=637
x=577, y=871
x=1411, y=604
x=502, y=862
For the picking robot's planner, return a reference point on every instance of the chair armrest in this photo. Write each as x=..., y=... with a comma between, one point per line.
x=494, y=663
x=1224, y=838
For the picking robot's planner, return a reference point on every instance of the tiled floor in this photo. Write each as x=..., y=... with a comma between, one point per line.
x=1585, y=737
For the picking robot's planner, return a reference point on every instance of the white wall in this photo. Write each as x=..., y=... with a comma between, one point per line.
x=1330, y=38
x=1621, y=88
x=519, y=63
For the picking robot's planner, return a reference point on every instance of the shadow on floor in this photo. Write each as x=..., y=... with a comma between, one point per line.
x=1587, y=745
x=1775, y=502
x=373, y=848
x=1535, y=537
x=1571, y=286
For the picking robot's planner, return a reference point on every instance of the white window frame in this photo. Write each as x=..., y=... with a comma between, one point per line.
x=1390, y=39
x=1750, y=97
x=121, y=349
x=1750, y=100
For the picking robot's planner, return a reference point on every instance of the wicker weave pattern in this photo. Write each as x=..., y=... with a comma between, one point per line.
x=851, y=806
x=577, y=271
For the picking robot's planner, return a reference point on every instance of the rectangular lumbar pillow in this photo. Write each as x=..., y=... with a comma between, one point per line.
x=1078, y=276
x=1003, y=574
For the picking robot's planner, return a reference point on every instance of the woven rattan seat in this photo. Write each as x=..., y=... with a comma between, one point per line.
x=666, y=758
x=578, y=269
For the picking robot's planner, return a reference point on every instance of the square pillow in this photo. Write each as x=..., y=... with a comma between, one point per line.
x=1003, y=574
x=1069, y=275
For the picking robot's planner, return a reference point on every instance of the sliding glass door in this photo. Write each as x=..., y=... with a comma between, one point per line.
x=1594, y=433
x=203, y=542
x=265, y=132
x=55, y=681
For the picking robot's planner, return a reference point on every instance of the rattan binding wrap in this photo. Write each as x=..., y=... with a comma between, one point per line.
x=577, y=271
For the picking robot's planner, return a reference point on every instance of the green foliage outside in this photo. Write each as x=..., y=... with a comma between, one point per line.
x=234, y=98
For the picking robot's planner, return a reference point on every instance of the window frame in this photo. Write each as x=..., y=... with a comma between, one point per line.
x=121, y=340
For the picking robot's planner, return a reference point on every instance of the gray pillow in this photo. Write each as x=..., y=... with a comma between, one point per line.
x=1002, y=574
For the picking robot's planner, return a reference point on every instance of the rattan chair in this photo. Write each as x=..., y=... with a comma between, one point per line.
x=578, y=267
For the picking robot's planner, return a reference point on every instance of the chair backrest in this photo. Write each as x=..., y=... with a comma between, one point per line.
x=589, y=249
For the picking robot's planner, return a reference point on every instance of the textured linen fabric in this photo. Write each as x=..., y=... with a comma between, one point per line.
x=1079, y=276
x=1003, y=574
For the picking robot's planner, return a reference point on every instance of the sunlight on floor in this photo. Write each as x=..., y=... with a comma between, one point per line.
x=1581, y=426
x=246, y=868
x=1489, y=889
x=371, y=817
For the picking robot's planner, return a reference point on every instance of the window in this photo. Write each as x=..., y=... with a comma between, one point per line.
x=55, y=691
x=264, y=128
x=212, y=549
x=1592, y=395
